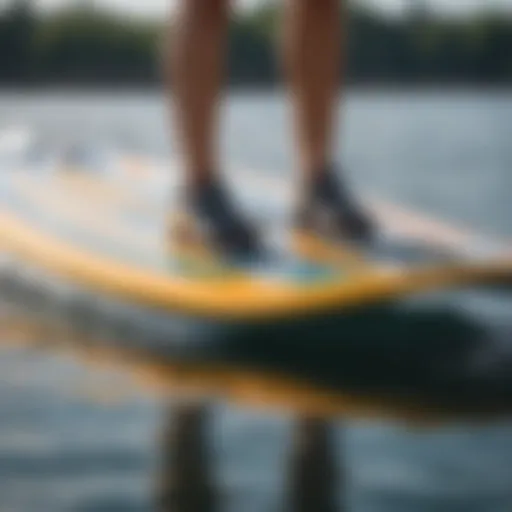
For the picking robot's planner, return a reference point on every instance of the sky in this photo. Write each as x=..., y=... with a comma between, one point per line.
x=158, y=7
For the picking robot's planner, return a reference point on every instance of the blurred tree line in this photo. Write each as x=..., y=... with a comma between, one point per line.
x=86, y=46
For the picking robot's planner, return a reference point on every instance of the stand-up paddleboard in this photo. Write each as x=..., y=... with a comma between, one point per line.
x=104, y=227
x=84, y=242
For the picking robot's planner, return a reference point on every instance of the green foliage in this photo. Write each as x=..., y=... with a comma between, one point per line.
x=87, y=46
x=17, y=26
x=84, y=45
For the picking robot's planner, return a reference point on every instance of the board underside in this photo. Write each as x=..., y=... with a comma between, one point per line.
x=106, y=229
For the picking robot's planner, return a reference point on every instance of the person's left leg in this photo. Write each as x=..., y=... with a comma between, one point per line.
x=313, y=48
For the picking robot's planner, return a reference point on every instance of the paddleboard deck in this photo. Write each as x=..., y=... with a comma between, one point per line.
x=105, y=228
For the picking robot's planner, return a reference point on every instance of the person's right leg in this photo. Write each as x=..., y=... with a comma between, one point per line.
x=194, y=74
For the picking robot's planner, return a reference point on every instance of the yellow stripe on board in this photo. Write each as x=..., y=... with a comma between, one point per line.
x=92, y=217
x=82, y=183
x=241, y=298
x=398, y=220
x=100, y=219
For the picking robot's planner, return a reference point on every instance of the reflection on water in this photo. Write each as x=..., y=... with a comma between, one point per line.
x=62, y=449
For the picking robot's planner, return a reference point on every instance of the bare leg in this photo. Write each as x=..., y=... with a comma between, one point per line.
x=312, y=57
x=195, y=73
x=313, y=49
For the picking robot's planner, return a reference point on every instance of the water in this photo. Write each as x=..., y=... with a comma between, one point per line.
x=61, y=449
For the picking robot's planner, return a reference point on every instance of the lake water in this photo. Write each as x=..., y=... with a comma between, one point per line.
x=62, y=450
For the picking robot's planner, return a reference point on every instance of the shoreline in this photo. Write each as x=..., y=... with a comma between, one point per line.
x=273, y=89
